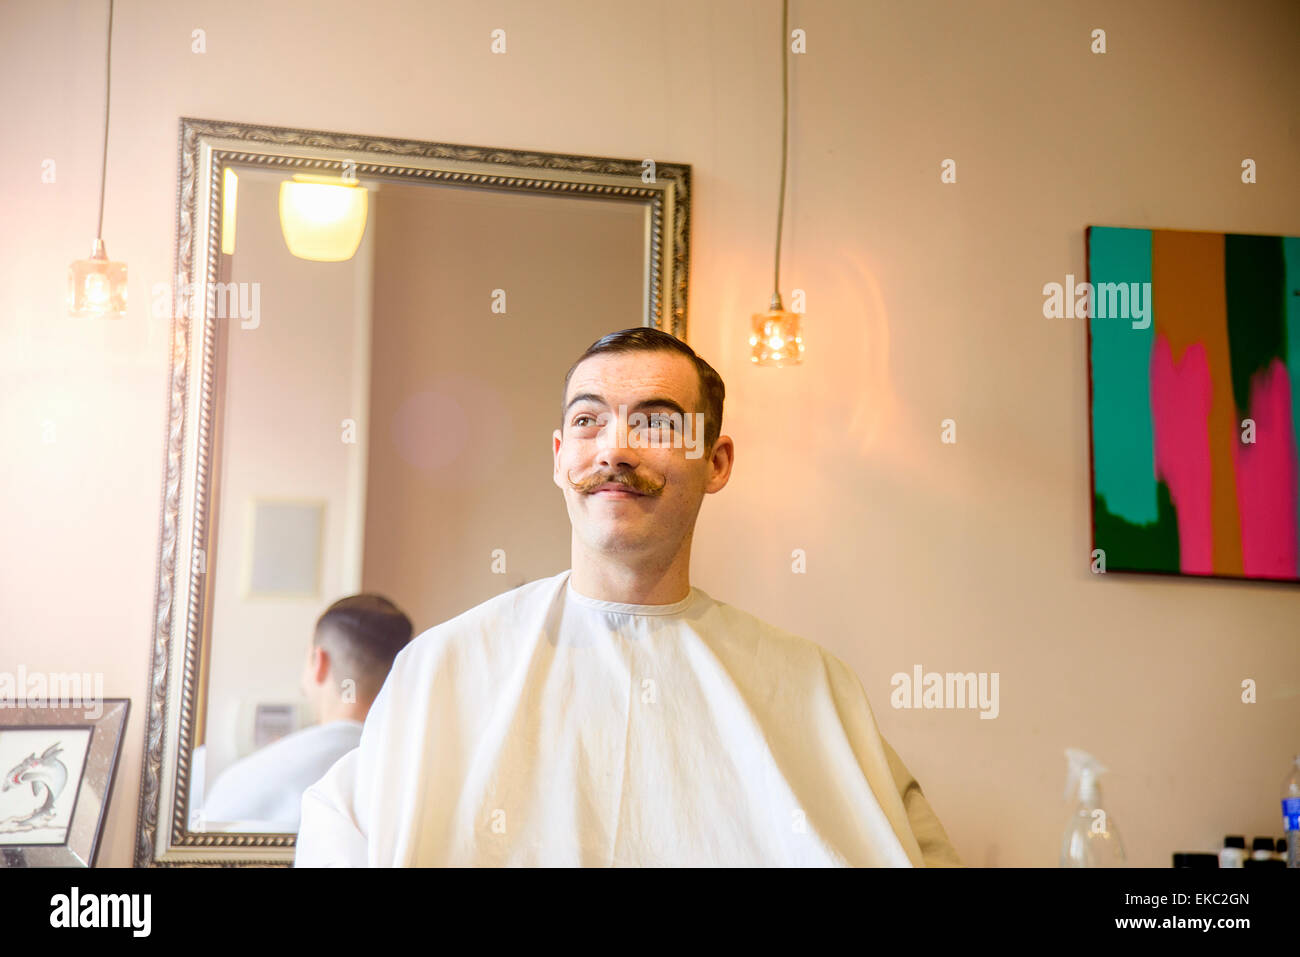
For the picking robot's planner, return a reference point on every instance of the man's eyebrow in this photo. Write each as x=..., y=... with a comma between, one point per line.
x=583, y=397
x=659, y=402
x=656, y=402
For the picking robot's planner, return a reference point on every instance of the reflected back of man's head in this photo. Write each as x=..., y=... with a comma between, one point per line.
x=362, y=635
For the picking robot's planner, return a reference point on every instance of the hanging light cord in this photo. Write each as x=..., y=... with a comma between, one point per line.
x=785, y=139
x=103, y=166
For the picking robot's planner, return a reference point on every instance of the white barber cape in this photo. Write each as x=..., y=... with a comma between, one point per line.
x=547, y=728
x=267, y=786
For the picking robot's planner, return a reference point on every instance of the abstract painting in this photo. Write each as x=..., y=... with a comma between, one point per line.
x=1194, y=359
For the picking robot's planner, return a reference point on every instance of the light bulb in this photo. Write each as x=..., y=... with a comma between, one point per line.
x=97, y=286
x=772, y=335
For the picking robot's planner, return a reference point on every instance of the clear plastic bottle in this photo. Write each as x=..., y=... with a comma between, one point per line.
x=1291, y=813
x=1091, y=838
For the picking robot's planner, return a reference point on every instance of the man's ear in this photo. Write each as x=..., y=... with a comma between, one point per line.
x=721, y=460
x=556, y=441
x=320, y=664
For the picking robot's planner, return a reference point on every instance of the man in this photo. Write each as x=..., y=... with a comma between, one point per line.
x=613, y=714
x=354, y=645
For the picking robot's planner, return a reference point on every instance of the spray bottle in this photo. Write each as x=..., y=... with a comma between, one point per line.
x=1090, y=839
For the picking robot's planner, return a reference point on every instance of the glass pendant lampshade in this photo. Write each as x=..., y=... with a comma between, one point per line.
x=96, y=286
x=776, y=338
x=323, y=218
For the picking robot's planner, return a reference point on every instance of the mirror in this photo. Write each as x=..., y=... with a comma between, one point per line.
x=370, y=339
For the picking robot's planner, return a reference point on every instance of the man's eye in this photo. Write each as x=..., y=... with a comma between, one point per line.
x=578, y=420
x=660, y=420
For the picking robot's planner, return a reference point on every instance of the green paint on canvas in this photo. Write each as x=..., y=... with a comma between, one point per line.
x=1291, y=303
x=1129, y=546
x=1122, y=437
x=1255, y=274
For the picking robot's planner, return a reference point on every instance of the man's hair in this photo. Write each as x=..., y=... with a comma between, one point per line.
x=363, y=634
x=645, y=339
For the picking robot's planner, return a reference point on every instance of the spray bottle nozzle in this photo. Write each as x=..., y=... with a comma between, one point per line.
x=1081, y=782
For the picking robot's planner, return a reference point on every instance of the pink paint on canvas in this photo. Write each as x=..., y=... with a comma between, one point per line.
x=1266, y=478
x=1180, y=411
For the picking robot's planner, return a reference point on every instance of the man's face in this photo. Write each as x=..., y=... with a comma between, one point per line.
x=616, y=405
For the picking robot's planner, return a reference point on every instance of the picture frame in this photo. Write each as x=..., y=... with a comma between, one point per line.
x=1193, y=346
x=283, y=542
x=59, y=766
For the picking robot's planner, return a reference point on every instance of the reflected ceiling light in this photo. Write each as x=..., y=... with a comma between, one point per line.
x=229, y=196
x=775, y=337
x=322, y=217
x=97, y=286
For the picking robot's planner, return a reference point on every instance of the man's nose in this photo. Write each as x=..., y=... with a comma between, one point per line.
x=610, y=451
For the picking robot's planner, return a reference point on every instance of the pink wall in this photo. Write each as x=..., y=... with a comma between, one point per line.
x=924, y=303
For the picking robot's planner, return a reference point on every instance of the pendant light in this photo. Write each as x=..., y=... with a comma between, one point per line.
x=97, y=286
x=323, y=217
x=775, y=338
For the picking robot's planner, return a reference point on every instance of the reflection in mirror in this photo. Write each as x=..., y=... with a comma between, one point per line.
x=382, y=428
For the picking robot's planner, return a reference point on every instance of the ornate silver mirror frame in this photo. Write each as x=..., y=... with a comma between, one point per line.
x=182, y=625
